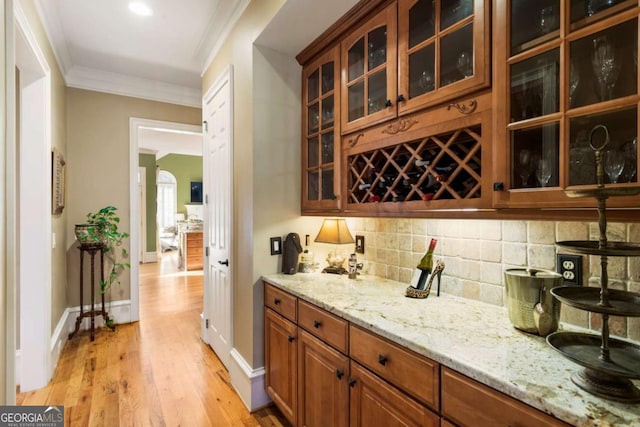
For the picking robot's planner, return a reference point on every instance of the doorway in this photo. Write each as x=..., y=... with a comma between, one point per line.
x=137, y=127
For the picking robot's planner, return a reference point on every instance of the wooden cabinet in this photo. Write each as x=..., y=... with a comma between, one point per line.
x=414, y=374
x=323, y=390
x=374, y=402
x=443, y=51
x=466, y=402
x=191, y=250
x=321, y=370
x=401, y=61
x=561, y=68
x=321, y=133
x=281, y=363
x=436, y=159
x=369, y=71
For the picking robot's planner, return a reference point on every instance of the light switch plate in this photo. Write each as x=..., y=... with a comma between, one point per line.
x=276, y=245
x=359, y=244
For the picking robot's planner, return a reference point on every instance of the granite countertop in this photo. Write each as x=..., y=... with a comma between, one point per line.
x=471, y=337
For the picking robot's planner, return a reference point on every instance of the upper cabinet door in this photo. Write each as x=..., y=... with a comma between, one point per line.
x=321, y=133
x=443, y=49
x=564, y=67
x=369, y=72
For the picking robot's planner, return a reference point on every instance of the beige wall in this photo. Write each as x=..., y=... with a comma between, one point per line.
x=238, y=51
x=3, y=219
x=476, y=254
x=98, y=162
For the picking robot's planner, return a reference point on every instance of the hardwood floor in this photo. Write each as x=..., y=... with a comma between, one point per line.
x=156, y=372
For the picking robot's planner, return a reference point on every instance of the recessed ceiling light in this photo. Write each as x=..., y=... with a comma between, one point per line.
x=140, y=8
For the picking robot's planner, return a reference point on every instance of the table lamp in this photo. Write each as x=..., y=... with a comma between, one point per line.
x=334, y=231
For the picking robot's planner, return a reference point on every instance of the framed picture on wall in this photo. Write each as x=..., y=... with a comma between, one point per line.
x=57, y=182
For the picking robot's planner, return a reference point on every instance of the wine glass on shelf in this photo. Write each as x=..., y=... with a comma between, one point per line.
x=544, y=170
x=465, y=64
x=574, y=81
x=605, y=66
x=613, y=164
x=524, y=165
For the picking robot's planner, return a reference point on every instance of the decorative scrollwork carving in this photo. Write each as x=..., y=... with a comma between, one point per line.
x=399, y=126
x=353, y=141
x=464, y=109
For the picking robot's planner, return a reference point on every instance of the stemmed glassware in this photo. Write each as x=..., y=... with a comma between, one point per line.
x=605, y=66
x=544, y=170
x=574, y=81
x=525, y=158
x=613, y=164
x=465, y=64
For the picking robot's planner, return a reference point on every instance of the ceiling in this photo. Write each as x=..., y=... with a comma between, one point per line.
x=101, y=45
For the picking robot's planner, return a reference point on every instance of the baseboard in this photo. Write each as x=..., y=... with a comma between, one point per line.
x=248, y=382
x=119, y=312
x=149, y=257
x=58, y=339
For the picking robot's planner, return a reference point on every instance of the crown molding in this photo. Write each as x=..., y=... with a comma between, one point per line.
x=241, y=5
x=52, y=28
x=120, y=84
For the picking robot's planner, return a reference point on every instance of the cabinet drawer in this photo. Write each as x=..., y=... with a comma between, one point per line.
x=280, y=302
x=324, y=325
x=469, y=403
x=194, y=238
x=410, y=372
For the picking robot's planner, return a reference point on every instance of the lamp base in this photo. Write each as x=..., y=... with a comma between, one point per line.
x=334, y=270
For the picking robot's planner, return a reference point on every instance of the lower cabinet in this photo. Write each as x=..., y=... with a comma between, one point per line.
x=466, y=402
x=280, y=340
x=323, y=387
x=323, y=371
x=374, y=402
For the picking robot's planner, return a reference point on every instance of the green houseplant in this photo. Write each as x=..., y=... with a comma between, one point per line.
x=101, y=230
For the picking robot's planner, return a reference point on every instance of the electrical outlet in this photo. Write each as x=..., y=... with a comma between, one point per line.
x=570, y=266
x=359, y=244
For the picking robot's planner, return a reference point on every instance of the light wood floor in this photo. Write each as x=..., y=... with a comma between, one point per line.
x=156, y=372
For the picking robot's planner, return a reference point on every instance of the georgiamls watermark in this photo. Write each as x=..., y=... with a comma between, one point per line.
x=31, y=416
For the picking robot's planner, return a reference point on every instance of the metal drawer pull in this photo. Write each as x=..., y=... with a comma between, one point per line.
x=352, y=382
x=382, y=359
x=316, y=324
x=276, y=301
x=339, y=374
x=291, y=338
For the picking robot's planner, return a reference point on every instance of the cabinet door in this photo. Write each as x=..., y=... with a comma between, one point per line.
x=369, y=72
x=321, y=133
x=280, y=339
x=560, y=78
x=323, y=391
x=374, y=402
x=443, y=50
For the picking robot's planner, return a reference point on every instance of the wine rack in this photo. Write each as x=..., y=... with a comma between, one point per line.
x=445, y=166
x=608, y=364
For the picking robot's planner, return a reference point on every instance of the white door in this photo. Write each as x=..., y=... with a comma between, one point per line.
x=217, y=161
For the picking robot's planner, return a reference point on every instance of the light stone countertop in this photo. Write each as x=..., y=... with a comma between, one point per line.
x=471, y=337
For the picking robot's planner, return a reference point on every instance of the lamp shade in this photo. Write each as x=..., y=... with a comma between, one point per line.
x=334, y=231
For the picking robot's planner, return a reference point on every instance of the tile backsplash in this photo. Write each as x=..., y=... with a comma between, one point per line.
x=477, y=252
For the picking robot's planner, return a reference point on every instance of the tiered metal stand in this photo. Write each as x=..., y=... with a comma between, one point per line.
x=609, y=364
x=92, y=249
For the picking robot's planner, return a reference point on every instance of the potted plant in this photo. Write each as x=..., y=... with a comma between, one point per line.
x=101, y=230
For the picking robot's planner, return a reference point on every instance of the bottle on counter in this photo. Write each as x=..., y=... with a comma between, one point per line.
x=424, y=268
x=306, y=264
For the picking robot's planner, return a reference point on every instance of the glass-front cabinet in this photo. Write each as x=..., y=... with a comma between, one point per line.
x=443, y=47
x=411, y=55
x=369, y=72
x=565, y=66
x=321, y=133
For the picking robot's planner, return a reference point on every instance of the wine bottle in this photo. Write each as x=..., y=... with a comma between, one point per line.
x=421, y=274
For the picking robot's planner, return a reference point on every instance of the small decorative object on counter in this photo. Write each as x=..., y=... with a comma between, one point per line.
x=412, y=292
x=306, y=258
x=421, y=274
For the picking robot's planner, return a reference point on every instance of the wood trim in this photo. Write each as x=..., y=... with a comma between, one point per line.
x=335, y=32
